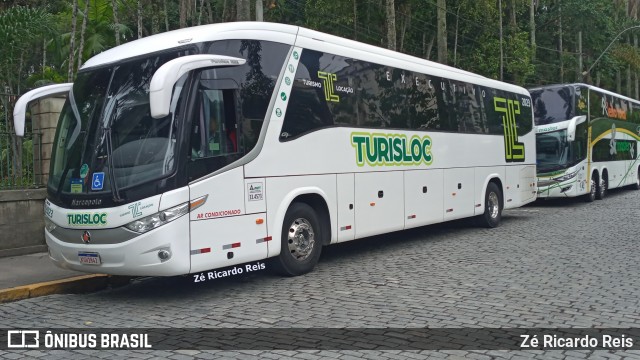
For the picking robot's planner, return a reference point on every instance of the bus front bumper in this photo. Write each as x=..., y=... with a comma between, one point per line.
x=559, y=190
x=140, y=256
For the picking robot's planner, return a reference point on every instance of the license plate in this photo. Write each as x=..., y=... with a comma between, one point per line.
x=89, y=258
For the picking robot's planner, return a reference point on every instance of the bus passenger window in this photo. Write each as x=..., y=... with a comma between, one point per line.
x=214, y=129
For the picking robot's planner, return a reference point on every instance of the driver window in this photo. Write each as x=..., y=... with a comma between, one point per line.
x=214, y=131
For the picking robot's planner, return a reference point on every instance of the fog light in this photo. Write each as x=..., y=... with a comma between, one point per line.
x=164, y=255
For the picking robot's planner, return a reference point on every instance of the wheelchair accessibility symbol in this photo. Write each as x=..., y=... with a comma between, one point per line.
x=97, y=181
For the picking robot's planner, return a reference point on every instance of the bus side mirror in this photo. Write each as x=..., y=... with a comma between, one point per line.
x=20, y=110
x=161, y=87
x=571, y=128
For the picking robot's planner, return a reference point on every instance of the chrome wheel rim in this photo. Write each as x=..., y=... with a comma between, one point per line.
x=593, y=188
x=493, y=205
x=301, y=239
x=603, y=187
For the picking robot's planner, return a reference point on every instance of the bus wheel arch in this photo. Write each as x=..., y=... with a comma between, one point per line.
x=319, y=204
x=593, y=188
x=603, y=185
x=493, y=204
x=305, y=229
x=595, y=182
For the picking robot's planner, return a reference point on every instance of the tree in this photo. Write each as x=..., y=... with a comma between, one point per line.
x=73, y=40
x=85, y=16
x=139, y=12
x=116, y=23
x=184, y=9
x=244, y=10
x=442, y=31
x=391, y=24
x=259, y=11
x=21, y=30
x=532, y=28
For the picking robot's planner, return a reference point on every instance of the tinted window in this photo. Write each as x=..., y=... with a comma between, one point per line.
x=255, y=80
x=609, y=106
x=231, y=103
x=331, y=90
x=553, y=105
x=610, y=150
x=634, y=113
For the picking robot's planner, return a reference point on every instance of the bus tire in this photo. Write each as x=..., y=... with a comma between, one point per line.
x=602, y=189
x=591, y=196
x=301, y=241
x=492, y=207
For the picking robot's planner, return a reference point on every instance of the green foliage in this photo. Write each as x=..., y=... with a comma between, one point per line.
x=21, y=28
x=46, y=77
x=36, y=35
x=518, y=63
x=627, y=54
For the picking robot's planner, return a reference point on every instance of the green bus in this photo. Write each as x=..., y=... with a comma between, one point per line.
x=587, y=141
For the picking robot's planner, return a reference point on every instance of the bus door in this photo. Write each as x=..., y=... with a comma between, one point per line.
x=222, y=233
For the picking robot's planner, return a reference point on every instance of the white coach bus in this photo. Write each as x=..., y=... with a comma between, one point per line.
x=586, y=139
x=225, y=144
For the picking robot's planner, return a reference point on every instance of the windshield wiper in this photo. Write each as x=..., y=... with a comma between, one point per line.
x=76, y=132
x=115, y=191
x=112, y=177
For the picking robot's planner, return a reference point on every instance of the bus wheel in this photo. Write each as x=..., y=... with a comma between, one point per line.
x=602, y=189
x=637, y=185
x=591, y=196
x=301, y=240
x=492, y=207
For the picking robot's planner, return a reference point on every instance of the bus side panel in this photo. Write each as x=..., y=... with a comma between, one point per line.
x=254, y=195
x=423, y=197
x=511, y=190
x=633, y=164
x=483, y=175
x=526, y=183
x=346, y=210
x=459, y=192
x=379, y=202
x=225, y=195
x=282, y=191
x=616, y=173
x=227, y=241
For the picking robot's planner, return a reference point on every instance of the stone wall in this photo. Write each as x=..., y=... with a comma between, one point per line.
x=44, y=115
x=22, y=222
x=22, y=211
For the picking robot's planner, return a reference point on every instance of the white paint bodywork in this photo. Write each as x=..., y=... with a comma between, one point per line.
x=137, y=256
x=114, y=217
x=161, y=86
x=322, y=164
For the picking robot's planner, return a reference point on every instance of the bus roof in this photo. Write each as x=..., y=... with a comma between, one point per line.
x=282, y=33
x=584, y=85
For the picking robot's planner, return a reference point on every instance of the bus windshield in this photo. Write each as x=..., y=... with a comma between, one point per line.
x=554, y=152
x=106, y=139
x=553, y=105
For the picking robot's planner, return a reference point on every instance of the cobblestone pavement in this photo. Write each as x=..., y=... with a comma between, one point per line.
x=550, y=264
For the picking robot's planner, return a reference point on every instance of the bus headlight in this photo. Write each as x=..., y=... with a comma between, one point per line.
x=158, y=219
x=49, y=225
x=566, y=177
